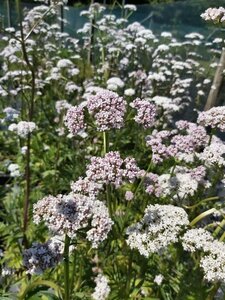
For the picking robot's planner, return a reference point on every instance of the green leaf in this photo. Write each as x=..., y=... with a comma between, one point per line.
x=202, y=202
x=37, y=283
x=49, y=173
x=202, y=216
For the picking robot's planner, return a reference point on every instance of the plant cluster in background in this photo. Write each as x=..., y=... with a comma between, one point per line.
x=112, y=179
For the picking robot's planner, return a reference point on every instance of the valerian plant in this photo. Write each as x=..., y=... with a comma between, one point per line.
x=112, y=180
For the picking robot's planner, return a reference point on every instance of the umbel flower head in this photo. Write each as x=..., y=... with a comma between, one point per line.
x=112, y=169
x=159, y=228
x=146, y=112
x=102, y=288
x=180, y=143
x=40, y=257
x=108, y=109
x=214, y=117
x=67, y=214
x=213, y=257
x=23, y=128
x=74, y=119
x=216, y=15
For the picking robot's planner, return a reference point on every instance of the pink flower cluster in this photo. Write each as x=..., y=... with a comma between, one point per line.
x=86, y=187
x=108, y=109
x=63, y=214
x=112, y=169
x=180, y=143
x=70, y=213
x=216, y=15
x=214, y=117
x=74, y=119
x=181, y=184
x=146, y=112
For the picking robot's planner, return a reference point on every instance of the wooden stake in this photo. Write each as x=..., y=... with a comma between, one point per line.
x=217, y=82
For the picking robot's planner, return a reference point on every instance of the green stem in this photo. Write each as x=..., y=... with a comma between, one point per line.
x=211, y=295
x=91, y=40
x=105, y=143
x=173, y=169
x=30, y=110
x=211, y=135
x=108, y=199
x=219, y=228
x=108, y=189
x=27, y=192
x=73, y=274
x=201, y=202
x=129, y=274
x=66, y=269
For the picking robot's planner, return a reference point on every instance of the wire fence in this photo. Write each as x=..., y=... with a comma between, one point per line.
x=179, y=18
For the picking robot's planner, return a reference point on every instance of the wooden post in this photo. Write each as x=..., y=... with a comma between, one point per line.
x=217, y=81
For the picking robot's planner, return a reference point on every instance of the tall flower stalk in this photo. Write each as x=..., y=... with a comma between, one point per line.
x=66, y=269
x=30, y=110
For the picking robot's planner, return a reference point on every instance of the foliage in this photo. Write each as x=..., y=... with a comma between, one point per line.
x=146, y=168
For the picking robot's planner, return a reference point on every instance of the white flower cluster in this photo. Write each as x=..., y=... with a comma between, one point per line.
x=196, y=239
x=53, y=2
x=182, y=184
x=40, y=257
x=67, y=214
x=102, y=288
x=114, y=83
x=216, y=15
x=129, y=195
x=64, y=63
x=213, y=264
x=6, y=271
x=101, y=224
x=11, y=114
x=94, y=9
x=23, y=128
x=158, y=279
x=129, y=92
x=130, y=7
x=213, y=154
x=213, y=260
x=168, y=104
x=14, y=170
x=214, y=117
x=62, y=105
x=159, y=228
